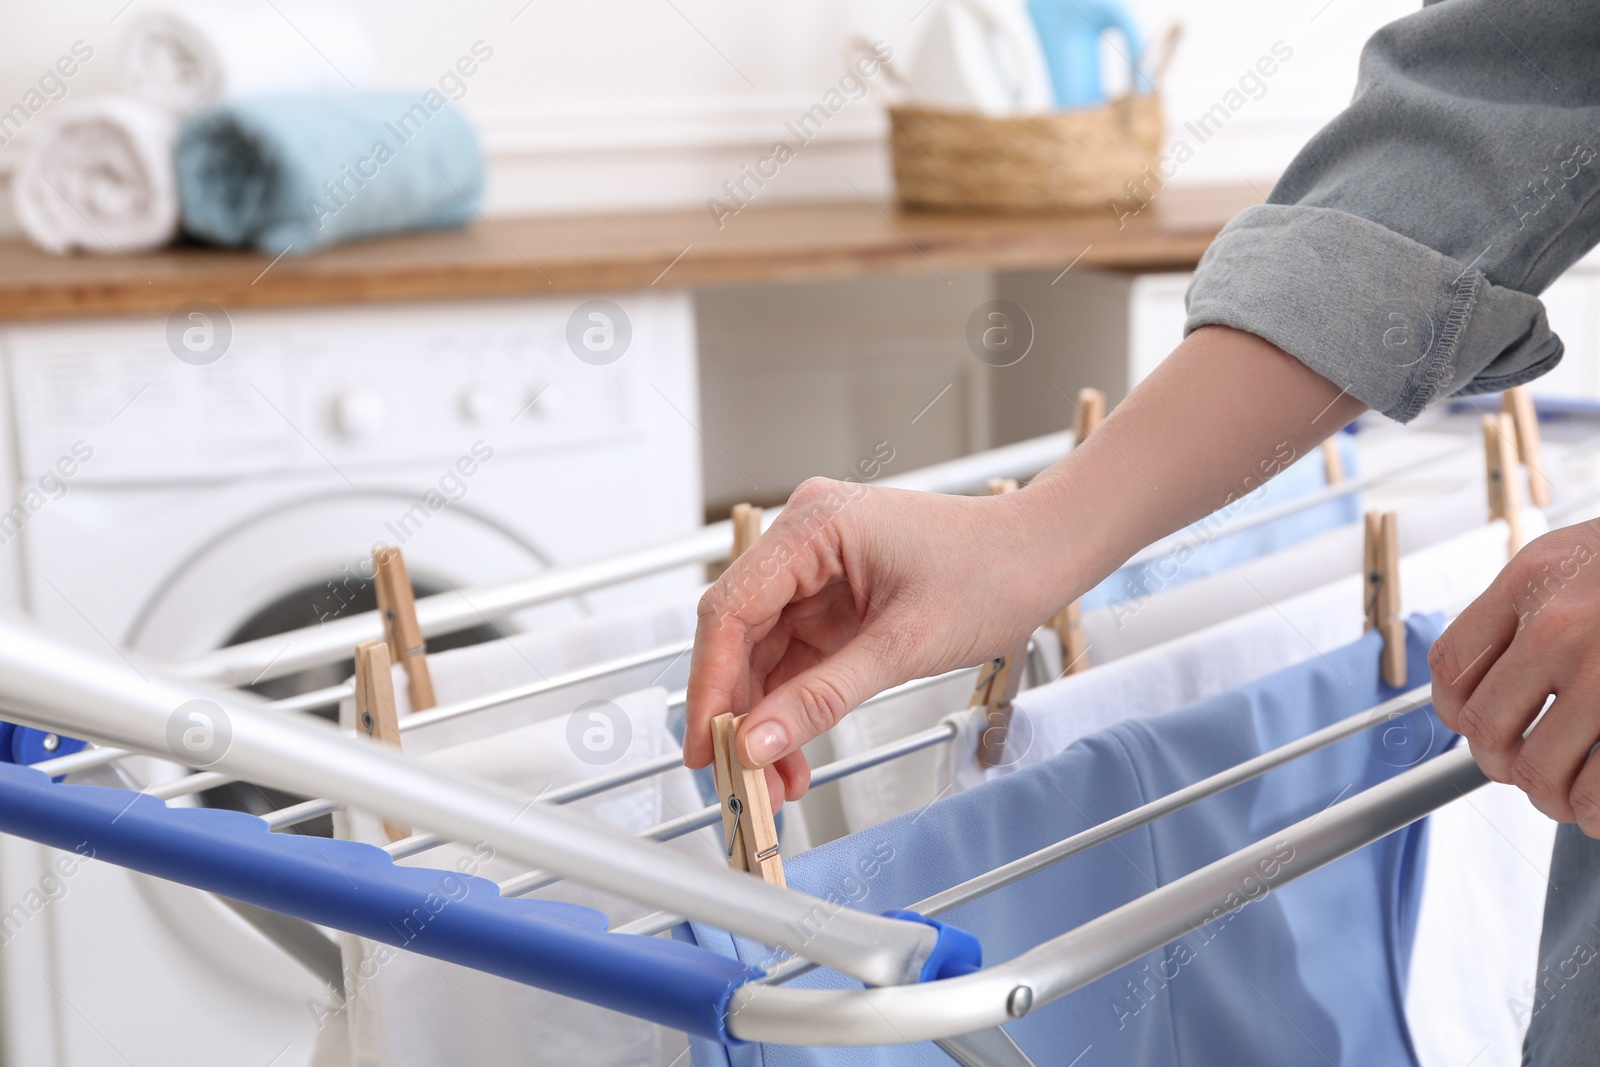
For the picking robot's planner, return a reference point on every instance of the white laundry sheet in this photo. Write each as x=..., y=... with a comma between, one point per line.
x=405, y=1010
x=872, y=796
x=409, y=1010
x=1175, y=620
x=543, y=656
x=540, y=656
x=1476, y=951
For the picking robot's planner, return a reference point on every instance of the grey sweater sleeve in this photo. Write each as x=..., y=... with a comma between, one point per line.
x=1400, y=254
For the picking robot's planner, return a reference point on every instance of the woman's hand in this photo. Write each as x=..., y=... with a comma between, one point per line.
x=856, y=588
x=1535, y=631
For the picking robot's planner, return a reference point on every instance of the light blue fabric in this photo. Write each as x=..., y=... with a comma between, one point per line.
x=299, y=172
x=1205, y=552
x=1312, y=972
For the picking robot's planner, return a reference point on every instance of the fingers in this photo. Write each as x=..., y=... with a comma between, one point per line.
x=806, y=631
x=741, y=609
x=1585, y=797
x=719, y=676
x=776, y=789
x=1525, y=638
x=788, y=779
x=795, y=772
x=799, y=558
x=1504, y=705
x=810, y=703
x=1469, y=647
x=1548, y=764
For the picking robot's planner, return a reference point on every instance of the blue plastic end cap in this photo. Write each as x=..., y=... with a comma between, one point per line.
x=29, y=745
x=955, y=953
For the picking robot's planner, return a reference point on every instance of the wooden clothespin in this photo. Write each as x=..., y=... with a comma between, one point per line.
x=1518, y=403
x=997, y=688
x=746, y=520
x=1500, y=469
x=999, y=683
x=1068, y=622
x=1068, y=625
x=375, y=713
x=398, y=606
x=1381, y=554
x=749, y=831
x=1091, y=409
x=1333, y=471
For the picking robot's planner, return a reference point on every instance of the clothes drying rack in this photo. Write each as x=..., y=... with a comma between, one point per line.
x=924, y=980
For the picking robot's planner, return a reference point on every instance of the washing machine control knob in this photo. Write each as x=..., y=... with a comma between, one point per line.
x=476, y=405
x=543, y=400
x=357, y=413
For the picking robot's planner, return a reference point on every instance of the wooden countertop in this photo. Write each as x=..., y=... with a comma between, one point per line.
x=597, y=253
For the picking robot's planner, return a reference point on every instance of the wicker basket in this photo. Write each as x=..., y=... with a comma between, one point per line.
x=1061, y=160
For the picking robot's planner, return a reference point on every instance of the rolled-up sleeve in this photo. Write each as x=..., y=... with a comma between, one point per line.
x=1401, y=254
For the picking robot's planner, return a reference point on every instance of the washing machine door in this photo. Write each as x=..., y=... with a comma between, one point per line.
x=309, y=560
x=284, y=566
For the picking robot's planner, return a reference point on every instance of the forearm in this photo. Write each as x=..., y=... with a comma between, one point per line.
x=1222, y=415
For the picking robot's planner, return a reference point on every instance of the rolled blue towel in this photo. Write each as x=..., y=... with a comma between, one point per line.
x=300, y=172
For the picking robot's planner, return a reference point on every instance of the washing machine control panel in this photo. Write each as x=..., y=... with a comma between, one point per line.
x=154, y=401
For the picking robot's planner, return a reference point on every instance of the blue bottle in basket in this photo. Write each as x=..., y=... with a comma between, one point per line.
x=1069, y=31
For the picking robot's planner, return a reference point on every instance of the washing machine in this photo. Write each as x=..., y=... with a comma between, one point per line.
x=183, y=482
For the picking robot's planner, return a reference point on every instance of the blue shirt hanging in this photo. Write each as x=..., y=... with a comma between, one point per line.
x=1312, y=972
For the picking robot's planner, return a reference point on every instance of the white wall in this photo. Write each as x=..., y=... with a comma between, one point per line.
x=608, y=103
x=599, y=104
x=1223, y=41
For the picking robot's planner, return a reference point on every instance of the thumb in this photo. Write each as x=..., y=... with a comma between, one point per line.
x=810, y=703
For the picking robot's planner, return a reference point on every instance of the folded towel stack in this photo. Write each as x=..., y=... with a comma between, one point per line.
x=251, y=128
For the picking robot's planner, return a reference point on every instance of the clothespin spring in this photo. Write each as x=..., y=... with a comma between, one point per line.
x=735, y=808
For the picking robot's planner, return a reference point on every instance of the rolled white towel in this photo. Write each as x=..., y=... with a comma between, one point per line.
x=184, y=56
x=100, y=178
